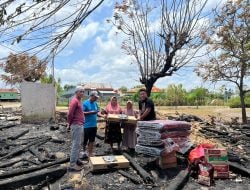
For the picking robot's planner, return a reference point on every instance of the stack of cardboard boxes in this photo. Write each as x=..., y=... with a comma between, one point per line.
x=168, y=160
x=168, y=157
x=219, y=159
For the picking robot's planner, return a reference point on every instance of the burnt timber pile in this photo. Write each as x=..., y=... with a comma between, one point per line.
x=35, y=156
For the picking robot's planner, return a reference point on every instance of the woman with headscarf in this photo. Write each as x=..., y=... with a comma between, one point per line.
x=113, y=129
x=129, y=134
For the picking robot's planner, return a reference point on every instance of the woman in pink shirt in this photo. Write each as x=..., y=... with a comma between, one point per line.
x=113, y=129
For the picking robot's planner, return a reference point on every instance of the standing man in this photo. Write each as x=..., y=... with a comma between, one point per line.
x=75, y=122
x=146, y=107
x=91, y=111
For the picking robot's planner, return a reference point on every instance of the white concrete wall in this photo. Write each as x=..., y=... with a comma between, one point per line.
x=38, y=101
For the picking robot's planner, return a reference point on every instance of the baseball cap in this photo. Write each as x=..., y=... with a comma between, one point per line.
x=79, y=88
x=94, y=93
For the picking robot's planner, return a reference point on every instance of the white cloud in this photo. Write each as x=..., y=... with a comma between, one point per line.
x=107, y=63
x=83, y=33
x=4, y=51
x=211, y=4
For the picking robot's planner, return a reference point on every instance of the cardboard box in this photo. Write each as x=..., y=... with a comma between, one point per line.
x=218, y=151
x=216, y=158
x=221, y=168
x=221, y=171
x=221, y=175
x=99, y=163
x=168, y=158
x=117, y=118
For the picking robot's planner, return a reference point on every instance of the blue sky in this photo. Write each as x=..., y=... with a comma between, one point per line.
x=94, y=55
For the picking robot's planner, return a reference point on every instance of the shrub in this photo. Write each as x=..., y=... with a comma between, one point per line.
x=235, y=102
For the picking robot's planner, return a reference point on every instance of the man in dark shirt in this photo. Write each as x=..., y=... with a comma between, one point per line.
x=146, y=107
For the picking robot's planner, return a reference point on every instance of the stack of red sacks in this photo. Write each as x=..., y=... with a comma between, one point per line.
x=174, y=129
x=178, y=131
x=149, y=138
x=151, y=133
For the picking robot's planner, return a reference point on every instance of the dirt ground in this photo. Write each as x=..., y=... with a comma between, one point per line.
x=113, y=180
x=220, y=112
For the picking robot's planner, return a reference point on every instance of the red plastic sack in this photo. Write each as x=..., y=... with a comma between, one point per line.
x=196, y=154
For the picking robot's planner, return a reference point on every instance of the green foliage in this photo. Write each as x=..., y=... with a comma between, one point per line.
x=228, y=55
x=126, y=98
x=160, y=99
x=123, y=89
x=48, y=79
x=176, y=95
x=66, y=87
x=135, y=97
x=197, y=96
x=235, y=102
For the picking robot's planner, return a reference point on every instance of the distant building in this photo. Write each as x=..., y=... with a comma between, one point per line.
x=9, y=94
x=105, y=91
x=133, y=91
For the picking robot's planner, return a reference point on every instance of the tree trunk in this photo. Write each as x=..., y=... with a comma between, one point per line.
x=149, y=85
x=243, y=106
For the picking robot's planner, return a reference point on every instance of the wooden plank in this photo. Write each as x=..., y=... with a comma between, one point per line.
x=10, y=163
x=21, y=149
x=32, y=169
x=98, y=163
x=7, y=126
x=235, y=167
x=16, y=136
x=133, y=178
x=32, y=178
x=145, y=175
x=99, y=136
x=36, y=153
x=179, y=181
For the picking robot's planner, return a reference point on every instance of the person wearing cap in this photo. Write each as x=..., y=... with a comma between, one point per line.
x=75, y=121
x=91, y=111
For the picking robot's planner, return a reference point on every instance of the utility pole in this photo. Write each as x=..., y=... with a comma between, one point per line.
x=53, y=68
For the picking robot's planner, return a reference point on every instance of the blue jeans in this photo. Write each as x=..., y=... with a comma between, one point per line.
x=77, y=139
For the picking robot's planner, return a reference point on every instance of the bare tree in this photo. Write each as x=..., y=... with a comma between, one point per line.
x=19, y=68
x=162, y=35
x=229, y=40
x=44, y=26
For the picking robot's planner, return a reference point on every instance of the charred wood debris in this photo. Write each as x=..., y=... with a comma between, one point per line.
x=35, y=156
